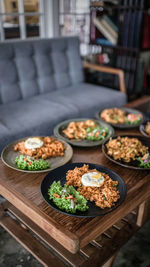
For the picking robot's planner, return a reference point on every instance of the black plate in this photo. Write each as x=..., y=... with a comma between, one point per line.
x=134, y=164
x=142, y=128
x=82, y=143
x=93, y=211
x=124, y=125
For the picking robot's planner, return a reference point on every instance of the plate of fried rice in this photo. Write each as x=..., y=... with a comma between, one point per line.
x=122, y=118
x=128, y=151
x=100, y=188
x=84, y=132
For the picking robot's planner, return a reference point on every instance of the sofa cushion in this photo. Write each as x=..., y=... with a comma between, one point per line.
x=87, y=98
x=37, y=67
x=32, y=117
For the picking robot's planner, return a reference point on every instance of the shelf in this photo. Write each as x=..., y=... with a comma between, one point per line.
x=118, y=7
x=145, y=49
x=127, y=40
x=136, y=50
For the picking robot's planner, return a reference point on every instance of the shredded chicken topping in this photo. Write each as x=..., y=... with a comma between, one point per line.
x=125, y=148
x=104, y=196
x=114, y=115
x=77, y=130
x=50, y=148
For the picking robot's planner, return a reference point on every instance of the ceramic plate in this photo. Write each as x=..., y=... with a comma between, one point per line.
x=133, y=164
x=58, y=131
x=93, y=211
x=124, y=125
x=9, y=155
x=142, y=128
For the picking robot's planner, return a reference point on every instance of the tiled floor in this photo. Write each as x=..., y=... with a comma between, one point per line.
x=136, y=253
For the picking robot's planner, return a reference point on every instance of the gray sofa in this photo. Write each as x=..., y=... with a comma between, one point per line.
x=41, y=84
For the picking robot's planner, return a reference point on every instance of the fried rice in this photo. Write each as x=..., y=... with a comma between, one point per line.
x=125, y=148
x=50, y=148
x=104, y=196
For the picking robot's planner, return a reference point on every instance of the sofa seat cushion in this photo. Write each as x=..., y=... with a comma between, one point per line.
x=35, y=116
x=87, y=98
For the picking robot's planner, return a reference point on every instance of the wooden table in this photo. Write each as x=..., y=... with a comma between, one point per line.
x=67, y=240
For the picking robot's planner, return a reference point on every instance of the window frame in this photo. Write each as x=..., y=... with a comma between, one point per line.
x=21, y=14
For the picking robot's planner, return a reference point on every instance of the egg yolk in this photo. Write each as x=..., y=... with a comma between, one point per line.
x=97, y=176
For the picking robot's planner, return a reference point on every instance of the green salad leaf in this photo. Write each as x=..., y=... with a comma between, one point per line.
x=144, y=161
x=31, y=164
x=96, y=133
x=133, y=119
x=133, y=122
x=67, y=198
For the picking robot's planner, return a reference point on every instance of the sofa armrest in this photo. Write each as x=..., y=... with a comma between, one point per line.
x=118, y=72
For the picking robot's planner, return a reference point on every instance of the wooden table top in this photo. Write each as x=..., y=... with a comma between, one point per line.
x=23, y=191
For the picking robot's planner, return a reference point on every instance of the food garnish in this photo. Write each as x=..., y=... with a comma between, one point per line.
x=31, y=164
x=133, y=119
x=88, y=129
x=104, y=196
x=67, y=198
x=125, y=148
x=119, y=116
x=144, y=161
x=97, y=133
x=51, y=147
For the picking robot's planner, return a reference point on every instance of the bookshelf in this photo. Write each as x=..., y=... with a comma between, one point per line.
x=122, y=29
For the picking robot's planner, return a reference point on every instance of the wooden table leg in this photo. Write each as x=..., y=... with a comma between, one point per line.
x=143, y=213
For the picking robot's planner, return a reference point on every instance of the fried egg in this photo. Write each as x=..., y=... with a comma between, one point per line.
x=33, y=143
x=94, y=179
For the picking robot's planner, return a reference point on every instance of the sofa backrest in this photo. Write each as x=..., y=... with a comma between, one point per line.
x=32, y=67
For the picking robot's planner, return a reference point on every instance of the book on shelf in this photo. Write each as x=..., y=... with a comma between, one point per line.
x=132, y=29
x=138, y=21
x=92, y=28
x=99, y=25
x=103, y=41
x=146, y=32
x=127, y=61
x=127, y=20
x=109, y=28
x=110, y=23
x=101, y=3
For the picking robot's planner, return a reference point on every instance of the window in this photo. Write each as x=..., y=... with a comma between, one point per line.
x=74, y=19
x=21, y=19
